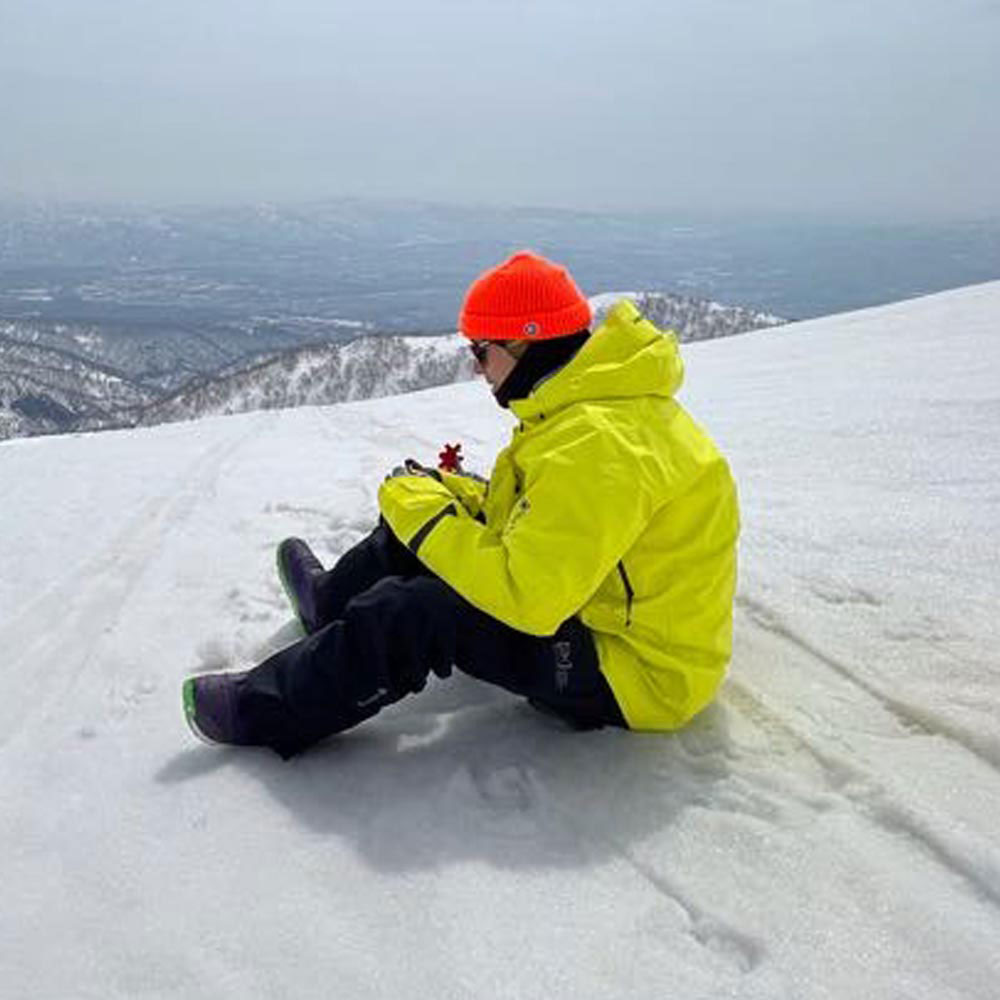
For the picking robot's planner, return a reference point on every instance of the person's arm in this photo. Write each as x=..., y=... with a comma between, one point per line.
x=580, y=510
x=468, y=489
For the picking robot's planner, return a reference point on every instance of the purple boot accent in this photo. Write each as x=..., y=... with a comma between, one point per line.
x=210, y=708
x=298, y=569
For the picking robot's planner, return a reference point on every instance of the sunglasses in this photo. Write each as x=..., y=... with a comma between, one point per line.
x=479, y=349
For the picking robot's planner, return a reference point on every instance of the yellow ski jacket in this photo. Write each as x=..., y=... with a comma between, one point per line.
x=609, y=503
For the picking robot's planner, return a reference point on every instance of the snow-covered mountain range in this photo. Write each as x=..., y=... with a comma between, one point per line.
x=367, y=368
x=59, y=377
x=826, y=831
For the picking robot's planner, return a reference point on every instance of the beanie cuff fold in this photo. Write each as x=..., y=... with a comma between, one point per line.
x=531, y=326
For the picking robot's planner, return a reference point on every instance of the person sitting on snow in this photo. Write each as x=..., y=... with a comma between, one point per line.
x=593, y=574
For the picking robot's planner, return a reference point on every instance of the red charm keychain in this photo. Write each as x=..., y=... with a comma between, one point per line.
x=450, y=459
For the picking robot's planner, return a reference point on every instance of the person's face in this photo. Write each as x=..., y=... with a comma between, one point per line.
x=495, y=359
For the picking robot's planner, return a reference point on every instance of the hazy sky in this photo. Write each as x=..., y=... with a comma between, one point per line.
x=887, y=108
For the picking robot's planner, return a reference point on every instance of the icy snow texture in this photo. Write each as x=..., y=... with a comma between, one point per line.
x=827, y=830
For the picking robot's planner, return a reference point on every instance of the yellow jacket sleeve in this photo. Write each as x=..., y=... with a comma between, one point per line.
x=413, y=505
x=579, y=511
x=470, y=491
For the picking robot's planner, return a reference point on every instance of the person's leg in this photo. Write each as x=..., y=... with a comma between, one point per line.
x=318, y=596
x=378, y=555
x=382, y=648
x=388, y=640
x=558, y=674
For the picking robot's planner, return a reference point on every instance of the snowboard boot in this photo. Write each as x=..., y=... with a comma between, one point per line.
x=298, y=569
x=210, y=708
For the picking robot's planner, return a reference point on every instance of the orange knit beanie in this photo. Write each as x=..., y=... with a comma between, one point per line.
x=525, y=298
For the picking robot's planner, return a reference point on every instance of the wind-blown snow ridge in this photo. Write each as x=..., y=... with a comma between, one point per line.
x=826, y=830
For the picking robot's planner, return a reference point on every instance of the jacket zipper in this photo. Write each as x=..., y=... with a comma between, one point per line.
x=629, y=592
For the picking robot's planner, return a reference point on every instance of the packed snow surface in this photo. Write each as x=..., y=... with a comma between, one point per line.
x=828, y=829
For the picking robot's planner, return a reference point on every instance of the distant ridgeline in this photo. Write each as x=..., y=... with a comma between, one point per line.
x=64, y=377
x=691, y=319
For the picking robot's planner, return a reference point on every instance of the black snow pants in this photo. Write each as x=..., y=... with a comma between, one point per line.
x=389, y=624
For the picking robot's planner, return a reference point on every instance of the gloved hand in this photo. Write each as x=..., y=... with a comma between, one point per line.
x=411, y=467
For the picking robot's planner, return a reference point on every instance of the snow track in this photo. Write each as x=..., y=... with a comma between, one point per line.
x=863, y=784
x=65, y=625
x=910, y=716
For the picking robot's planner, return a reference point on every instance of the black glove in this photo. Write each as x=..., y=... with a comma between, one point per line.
x=411, y=467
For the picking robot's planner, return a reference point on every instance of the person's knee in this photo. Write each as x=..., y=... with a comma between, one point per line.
x=402, y=600
x=395, y=555
x=406, y=628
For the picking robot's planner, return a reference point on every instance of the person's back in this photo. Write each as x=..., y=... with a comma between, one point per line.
x=643, y=492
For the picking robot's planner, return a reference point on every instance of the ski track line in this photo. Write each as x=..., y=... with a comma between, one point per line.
x=859, y=788
x=517, y=788
x=110, y=578
x=56, y=596
x=57, y=592
x=741, y=951
x=910, y=716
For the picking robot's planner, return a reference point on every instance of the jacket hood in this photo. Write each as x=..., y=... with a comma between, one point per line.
x=626, y=356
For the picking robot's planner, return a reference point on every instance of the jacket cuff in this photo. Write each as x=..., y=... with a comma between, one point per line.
x=413, y=506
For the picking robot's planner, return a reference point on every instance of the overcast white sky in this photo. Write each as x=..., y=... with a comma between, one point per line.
x=862, y=108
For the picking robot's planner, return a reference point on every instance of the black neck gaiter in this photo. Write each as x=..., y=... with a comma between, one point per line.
x=540, y=359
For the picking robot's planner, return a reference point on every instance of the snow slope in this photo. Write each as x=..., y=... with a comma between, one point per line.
x=827, y=830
